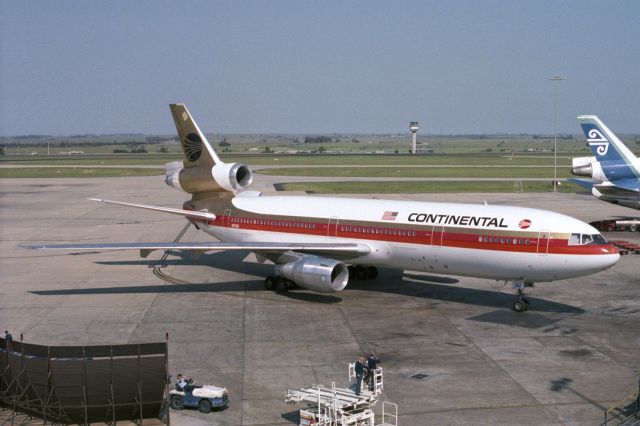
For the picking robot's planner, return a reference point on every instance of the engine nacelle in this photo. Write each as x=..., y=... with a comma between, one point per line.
x=221, y=177
x=587, y=167
x=316, y=273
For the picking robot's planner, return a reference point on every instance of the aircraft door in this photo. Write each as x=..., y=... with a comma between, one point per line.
x=332, y=229
x=544, y=237
x=226, y=221
x=436, y=236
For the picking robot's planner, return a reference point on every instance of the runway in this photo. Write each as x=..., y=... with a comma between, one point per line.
x=575, y=352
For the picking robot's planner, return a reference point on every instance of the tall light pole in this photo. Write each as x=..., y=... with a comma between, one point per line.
x=555, y=79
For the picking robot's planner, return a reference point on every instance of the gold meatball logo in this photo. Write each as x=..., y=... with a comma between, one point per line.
x=192, y=147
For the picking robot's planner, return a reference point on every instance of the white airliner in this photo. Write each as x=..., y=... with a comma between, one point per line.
x=312, y=239
x=614, y=170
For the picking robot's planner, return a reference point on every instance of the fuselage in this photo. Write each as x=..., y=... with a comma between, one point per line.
x=495, y=242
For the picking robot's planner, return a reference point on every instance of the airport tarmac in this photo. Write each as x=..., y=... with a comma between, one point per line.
x=575, y=352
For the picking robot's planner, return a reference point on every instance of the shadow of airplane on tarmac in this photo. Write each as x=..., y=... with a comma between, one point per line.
x=434, y=287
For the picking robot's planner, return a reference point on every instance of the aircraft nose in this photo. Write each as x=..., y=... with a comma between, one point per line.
x=610, y=256
x=611, y=249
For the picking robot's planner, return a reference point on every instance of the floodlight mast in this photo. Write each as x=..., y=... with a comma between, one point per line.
x=555, y=79
x=413, y=126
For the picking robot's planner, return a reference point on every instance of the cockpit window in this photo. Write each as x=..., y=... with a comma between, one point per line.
x=585, y=239
x=599, y=239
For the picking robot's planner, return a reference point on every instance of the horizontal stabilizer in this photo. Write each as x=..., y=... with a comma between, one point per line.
x=585, y=183
x=187, y=213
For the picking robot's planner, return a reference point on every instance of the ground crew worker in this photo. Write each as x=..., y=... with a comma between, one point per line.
x=181, y=382
x=8, y=339
x=372, y=364
x=360, y=371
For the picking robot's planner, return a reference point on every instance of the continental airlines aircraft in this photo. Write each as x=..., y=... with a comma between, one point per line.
x=311, y=240
x=614, y=170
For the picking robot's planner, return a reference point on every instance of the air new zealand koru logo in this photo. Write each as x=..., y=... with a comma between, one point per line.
x=192, y=147
x=595, y=138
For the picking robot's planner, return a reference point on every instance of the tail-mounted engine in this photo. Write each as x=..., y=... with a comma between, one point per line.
x=587, y=167
x=231, y=177
x=316, y=273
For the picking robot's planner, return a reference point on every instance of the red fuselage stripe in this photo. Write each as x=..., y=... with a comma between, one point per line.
x=429, y=237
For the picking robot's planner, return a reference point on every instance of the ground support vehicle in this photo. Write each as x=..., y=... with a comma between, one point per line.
x=610, y=225
x=334, y=406
x=203, y=398
x=627, y=247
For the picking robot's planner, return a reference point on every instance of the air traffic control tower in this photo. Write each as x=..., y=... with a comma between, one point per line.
x=413, y=126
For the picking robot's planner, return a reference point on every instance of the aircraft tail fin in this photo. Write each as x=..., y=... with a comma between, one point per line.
x=195, y=146
x=604, y=144
x=202, y=171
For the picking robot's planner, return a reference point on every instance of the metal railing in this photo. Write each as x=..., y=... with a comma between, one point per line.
x=608, y=414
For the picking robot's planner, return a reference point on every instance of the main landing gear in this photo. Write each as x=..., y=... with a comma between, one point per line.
x=278, y=284
x=521, y=304
x=361, y=273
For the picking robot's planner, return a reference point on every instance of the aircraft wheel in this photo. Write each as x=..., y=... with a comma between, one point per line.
x=204, y=406
x=519, y=306
x=526, y=303
x=372, y=272
x=270, y=283
x=281, y=285
x=177, y=402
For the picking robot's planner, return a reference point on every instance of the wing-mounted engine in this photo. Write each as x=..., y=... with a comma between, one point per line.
x=201, y=170
x=316, y=273
x=230, y=177
x=587, y=167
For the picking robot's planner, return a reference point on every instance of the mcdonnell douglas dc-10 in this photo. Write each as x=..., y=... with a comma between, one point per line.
x=311, y=240
x=614, y=170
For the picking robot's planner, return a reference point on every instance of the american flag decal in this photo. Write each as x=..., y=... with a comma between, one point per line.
x=389, y=215
x=524, y=223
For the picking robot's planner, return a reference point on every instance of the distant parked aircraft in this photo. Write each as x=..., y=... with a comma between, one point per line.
x=614, y=170
x=312, y=239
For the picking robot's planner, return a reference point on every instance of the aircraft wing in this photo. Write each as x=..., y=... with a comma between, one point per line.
x=341, y=249
x=618, y=195
x=618, y=192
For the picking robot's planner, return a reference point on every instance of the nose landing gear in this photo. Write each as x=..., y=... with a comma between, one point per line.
x=521, y=304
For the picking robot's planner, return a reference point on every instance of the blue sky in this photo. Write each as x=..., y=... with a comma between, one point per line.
x=69, y=67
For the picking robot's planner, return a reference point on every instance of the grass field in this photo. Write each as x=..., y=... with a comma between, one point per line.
x=425, y=171
x=75, y=172
x=564, y=159
x=419, y=187
x=92, y=160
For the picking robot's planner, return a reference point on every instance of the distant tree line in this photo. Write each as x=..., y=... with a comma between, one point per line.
x=63, y=144
x=317, y=139
x=138, y=150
